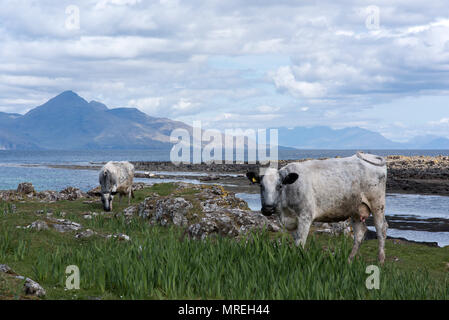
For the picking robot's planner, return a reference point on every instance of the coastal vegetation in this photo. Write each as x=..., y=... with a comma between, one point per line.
x=162, y=262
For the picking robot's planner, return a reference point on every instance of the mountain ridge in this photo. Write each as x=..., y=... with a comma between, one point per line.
x=69, y=122
x=322, y=137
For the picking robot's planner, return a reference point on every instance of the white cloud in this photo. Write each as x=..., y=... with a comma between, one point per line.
x=285, y=80
x=442, y=121
x=267, y=109
x=149, y=105
x=183, y=105
x=101, y=4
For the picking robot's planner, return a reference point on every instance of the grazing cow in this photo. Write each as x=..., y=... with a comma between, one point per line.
x=327, y=191
x=116, y=177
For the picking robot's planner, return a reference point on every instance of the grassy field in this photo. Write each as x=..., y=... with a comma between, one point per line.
x=161, y=263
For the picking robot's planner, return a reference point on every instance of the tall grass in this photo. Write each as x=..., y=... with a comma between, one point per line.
x=12, y=246
x=160, y=264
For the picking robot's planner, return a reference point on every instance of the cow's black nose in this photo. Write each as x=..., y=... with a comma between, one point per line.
x=268, y=210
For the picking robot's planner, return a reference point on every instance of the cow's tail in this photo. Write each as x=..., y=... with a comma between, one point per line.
x=372, y=159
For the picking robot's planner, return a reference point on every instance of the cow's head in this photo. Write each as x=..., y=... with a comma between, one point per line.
x=106, y=199
x=271, y=184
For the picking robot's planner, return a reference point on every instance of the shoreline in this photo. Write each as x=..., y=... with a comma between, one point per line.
x=424, y=175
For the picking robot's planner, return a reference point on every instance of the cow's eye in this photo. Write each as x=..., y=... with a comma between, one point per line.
x=279, y=187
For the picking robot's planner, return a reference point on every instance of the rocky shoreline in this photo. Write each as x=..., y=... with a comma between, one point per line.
x=406, y=174
x=221, y=212
x=412, y=175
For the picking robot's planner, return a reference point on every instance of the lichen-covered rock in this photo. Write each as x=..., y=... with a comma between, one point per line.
x=60, y=225
x=147, y=206
x=5, y=268
x=210, y=211
x=85, y=234
x=118, y=236
x=216, y=224
x=26, y=191
x=25, y=188
x=31, y=287
x=38, y=225
x=71, y=193
x=63, y=225
x=231, y=222
x=172, y=211
x=130, y=211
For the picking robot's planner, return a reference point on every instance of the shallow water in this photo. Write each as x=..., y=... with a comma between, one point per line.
x=442, y=238
x=400, y=206
x=423, y=206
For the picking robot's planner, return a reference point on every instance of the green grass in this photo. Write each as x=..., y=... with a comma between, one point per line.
x=161, y=263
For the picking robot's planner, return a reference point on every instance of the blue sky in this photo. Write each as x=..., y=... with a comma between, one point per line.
x=380, y=65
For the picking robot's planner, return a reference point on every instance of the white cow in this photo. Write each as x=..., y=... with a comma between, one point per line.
x=327, y=191
x=116, y=177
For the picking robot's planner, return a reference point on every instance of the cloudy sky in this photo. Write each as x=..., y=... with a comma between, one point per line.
x=380, y=65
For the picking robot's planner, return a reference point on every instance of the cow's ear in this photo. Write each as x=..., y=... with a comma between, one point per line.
x=290, y=178
x=97, y=194
x=253, y=177
x=113, y=193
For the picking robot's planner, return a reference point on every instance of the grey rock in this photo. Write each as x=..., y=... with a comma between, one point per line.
x=71, y=193
x=172, y=211
x=130, y=211
x=119, y=236
x=5, y=268
x=25, y=188
x=85, y=234
x=62, y=225
x=30, y=287
x=33, y=288
x=38, y=225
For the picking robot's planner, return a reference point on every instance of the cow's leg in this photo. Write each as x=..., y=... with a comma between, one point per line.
x=302, y=230
x=130, y=193
x=119, y=198
x=359, y=229
x=381, y=228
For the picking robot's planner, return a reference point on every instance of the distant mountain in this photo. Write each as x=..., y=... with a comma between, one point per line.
x=321, y=137
x=67, y=121
x=428, y=142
